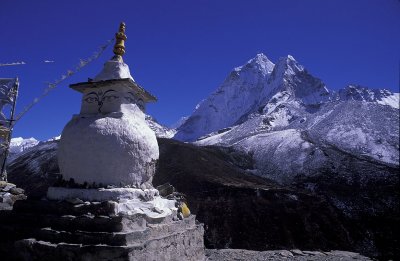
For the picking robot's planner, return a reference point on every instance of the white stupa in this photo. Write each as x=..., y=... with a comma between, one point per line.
x=122, y=217
x=109, y=142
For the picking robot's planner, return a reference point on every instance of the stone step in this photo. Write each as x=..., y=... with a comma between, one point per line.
x=54, y=235
x=88, y=216
x=41, y=207
x=169, y=228
x=90, y=238
x=67, y=222
x=187, y=245
x=8, y=232
x=86, y=223
x=136, y=222
x=32, y=249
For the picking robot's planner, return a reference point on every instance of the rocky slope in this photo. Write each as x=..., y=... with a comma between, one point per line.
x=240, y=210
x=279, y=255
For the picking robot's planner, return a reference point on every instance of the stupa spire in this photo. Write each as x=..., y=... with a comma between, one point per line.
x=120, y=37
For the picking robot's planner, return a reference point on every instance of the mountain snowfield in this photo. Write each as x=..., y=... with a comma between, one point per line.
x=285, y=118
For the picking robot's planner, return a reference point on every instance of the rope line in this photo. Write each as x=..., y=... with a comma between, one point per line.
x=52, y=85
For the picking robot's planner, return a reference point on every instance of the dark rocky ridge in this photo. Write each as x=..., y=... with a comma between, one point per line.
x=367, y=193
x=241, y=210
x=281, y=255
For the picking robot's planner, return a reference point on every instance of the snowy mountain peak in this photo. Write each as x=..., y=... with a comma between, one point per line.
x=292, y=78
x=263, y=61
x=247, y=89
x=288, y=66
x=260, y=63
x=278, y=94
x=238, y=95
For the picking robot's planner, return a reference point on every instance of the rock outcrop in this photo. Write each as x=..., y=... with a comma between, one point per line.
x=9, y=194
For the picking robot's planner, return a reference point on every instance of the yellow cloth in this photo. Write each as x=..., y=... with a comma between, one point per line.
x=185, y=210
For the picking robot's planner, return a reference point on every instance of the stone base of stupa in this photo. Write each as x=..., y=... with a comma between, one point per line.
x=9, y=194
x=125, y=227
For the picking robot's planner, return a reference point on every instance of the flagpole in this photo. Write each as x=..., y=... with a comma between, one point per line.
x=10, y=127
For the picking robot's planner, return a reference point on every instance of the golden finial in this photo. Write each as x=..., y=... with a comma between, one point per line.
x=120, y=37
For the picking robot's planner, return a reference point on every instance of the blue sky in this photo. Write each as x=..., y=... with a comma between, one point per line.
x=182, y=50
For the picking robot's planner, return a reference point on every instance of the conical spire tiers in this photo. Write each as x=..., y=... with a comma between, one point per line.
x=120, y=37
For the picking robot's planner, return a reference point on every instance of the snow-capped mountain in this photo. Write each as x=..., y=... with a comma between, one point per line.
x=286, y=118
x=19, y=144
x=248, y=89
x=292, y=79
x=239, y=94
x=259, y=86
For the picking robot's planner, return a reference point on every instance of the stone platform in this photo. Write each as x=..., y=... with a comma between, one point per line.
x=81, y=230
x=9, y=193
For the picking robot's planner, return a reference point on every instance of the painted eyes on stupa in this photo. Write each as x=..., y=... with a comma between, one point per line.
x=100, y=96
x=140, y=104
x=91, y=99
x=104, y=99
x=110, y=98
x=129, y=99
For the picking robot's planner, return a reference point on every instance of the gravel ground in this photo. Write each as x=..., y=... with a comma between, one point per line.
x=298, y=255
